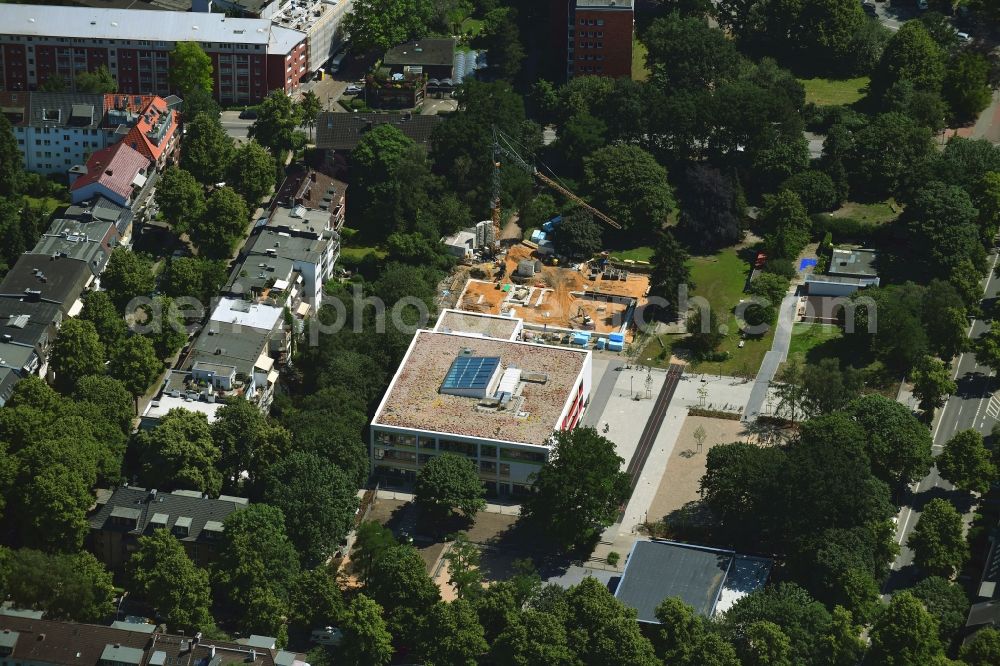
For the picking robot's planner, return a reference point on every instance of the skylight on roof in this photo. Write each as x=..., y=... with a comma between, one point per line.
x=470, y=375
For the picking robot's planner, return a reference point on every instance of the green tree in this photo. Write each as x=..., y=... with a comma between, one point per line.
x=987, y=346
x=76, y=353
x=208, y=150
x=577, y=493
x=579, y=236
x=99, y=81
x=190, y=69
x=945, y=319
x=371, y=541
x=770, y=286
x=629, y=185
x=266, y=613
x=398, y=580
x=967, y=463
x=167, y=331
x=309, y=109
x=223, y=224
x=255, y=555
x=106, y=318
x=712, y=206
x=449, y=482
x=463, y=567
x=816, y=190
x=604, y=631
x=685, y=53
x=670, y=272
x=72, y=586
x=937, y=541
x=249, y=443
x=966, y=85
x=179, y=453
x=380, y=25
x=787, y=224
x=883, y=153
x=51, y=494
x=898, y=445
x=932, y=383
x=909, y=56
x=765, y=644
x=685, y=639
x=906, y=634
x=366, y=638
x=943, y=222
x=533, y=638
x=451, y=635
x=180, y=197
x=277, y=120
x=200, y=100
x=946, y=602
x=502, y=38
x=539, y=210
x=986, y=197
x=194, y=277
x=166, y=577
x=110, y=395
x=54, y=83
x=11, y=161
x=983, y=649
x=252, y=172
x=127, y=275
x=135, y=364
x=580, y=136
x=315, y=599
x=318, y=501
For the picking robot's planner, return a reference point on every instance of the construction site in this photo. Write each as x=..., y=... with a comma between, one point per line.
x=556, y=300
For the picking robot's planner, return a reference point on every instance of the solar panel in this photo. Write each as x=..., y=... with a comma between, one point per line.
x=470, y=373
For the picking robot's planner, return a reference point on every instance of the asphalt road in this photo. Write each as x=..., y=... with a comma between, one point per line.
x=235, y=126
x=974, y=406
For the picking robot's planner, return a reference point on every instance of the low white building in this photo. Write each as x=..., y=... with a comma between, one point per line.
x=479, y=393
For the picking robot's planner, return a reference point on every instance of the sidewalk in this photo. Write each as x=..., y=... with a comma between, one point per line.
x=502, y=509
x=775, y=357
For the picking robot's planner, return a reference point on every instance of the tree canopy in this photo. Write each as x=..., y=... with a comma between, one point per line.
x=190, y=69
x=448, y=482
x=166, y=577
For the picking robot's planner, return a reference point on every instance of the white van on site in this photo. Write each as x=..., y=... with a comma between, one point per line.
x=327, y=636
x=336, y=61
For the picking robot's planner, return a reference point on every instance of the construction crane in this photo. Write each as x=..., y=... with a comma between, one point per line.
x=502, y=148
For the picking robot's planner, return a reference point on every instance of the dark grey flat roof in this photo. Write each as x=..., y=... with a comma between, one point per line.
x=658, y=569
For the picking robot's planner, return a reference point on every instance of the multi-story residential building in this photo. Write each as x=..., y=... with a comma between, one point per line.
x=472, y=388
x=86, y=238
x=234, y=359
x=118, y=173
x=124, y=514
x=250, y=56
x=598, y=36
x=55, y=131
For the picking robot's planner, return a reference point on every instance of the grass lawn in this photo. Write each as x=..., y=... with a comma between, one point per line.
x=642, y=253
x=356, y=254
x=876, y=213
x=831, y=92
x=639, y=70
x=719, y=279
x=48, y=203
x=472, y=26
x=807, y=340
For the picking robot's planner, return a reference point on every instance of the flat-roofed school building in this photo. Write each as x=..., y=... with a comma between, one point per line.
x=471, y=387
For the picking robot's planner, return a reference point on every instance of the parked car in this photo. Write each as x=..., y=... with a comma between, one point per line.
x=248, y=114
x=353, y=90
x=964, y=36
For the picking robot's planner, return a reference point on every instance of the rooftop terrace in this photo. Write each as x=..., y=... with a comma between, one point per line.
x=414, y=400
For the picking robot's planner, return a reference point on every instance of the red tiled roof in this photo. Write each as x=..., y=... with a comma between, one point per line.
x=114, y=167
x=137, y=137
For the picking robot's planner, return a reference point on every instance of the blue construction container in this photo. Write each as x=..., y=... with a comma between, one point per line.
x=582, y=339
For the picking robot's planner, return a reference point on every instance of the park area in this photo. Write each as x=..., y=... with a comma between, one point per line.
x=813, y=342
x=835, y=92
x=720, y=279
x=682, y=477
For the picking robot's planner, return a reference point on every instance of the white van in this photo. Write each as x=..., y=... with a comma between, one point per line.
x=327, y=636
x=336, y=61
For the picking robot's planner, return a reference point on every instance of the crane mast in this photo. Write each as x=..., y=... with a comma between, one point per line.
x=502, y=148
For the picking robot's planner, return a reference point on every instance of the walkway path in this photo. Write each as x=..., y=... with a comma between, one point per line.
x=773, y=358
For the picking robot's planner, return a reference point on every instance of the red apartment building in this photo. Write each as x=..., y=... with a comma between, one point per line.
x=250, y=56
x=597, y=34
